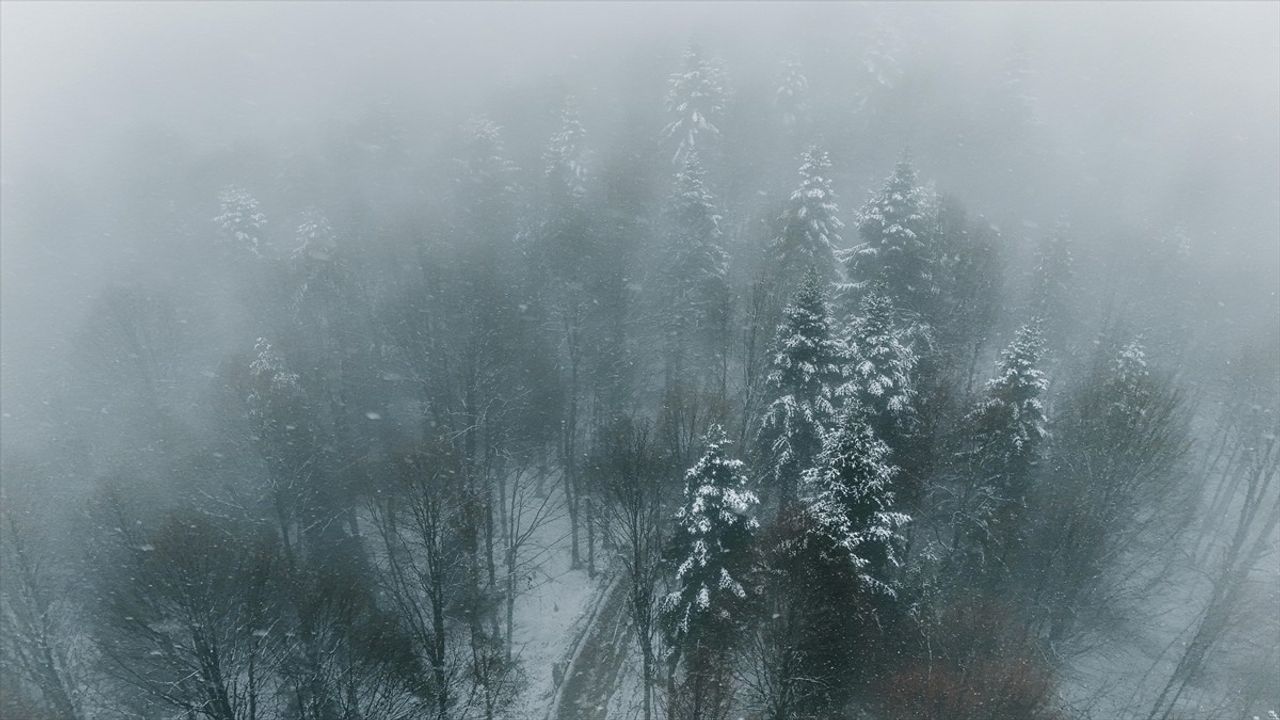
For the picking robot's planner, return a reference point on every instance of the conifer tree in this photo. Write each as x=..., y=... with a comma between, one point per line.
x=879, y=363
x=805, y=369
x=1009, y=427
x=712, y=547
x=566, y=262
x=809, y=227
x=564, y=162
x=714, y=528
x=849, y=494
x=792, y=95
x=240, y=219
x=695, y=103
x=972, y=269
x=896, y=227
x=1053, y=284
x=696, y=290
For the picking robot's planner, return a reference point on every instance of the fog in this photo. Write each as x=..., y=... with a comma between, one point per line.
x=1098, y=189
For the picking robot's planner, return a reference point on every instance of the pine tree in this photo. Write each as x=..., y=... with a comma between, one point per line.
x=897, y=248
x=849, y=494
x=1009, y=426
x=695, y=101
x=972, y=268
x=315, y=237
x=792, y=95
x=240, y=219
x=696, y=290
x=564, y=162
x=485, y=177
x=810, y=226
x=1053, y=284
x=804, y=372
x=567, y=248
x=879, y=364
x=712, y=542
x=1129, y=386
x=1017, y=101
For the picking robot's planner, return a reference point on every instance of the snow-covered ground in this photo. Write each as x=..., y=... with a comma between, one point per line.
x=553, y=604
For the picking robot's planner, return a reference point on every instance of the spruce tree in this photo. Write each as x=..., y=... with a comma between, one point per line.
x=1053, y=284
x=564, y=162
x=971, y=269
x=849, y=494
x=240, y=220
x=792, y=96
x=897, y=232
x=809, y=227
x=567, y=249
x=879, y=364
x=696, y=290
x=695, y=103
x=1008, y=428
x=1005, y=436
x=804, y=372
x=712, y=547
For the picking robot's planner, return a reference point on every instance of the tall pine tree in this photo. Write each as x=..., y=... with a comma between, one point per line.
x=712, y=545
x=849, y=494
x=805, y=369
x=695, y=294
x=809, y=228
x=792, y=96
x=879, y=366
x=1008, y=428
x=1053, y=285
x=695, y=103
x=897, y=232
x=713, y=548
x=240, y=220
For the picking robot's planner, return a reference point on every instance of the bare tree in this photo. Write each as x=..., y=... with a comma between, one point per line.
x=38, y=645
x=1248, y=535
x=634, y=521
x=190, y=619
x=422, y=566
x=526, y=512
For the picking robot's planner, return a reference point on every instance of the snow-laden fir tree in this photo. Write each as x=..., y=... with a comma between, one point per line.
x=1129, y=386
x=809, y=227
x=240, y=220
x=792, y=95
x=697, y=265
x=896, y=228
x=273, y=386
x=566, y=244
x=849, y=494
x=1017, y=101
x=1053, y=283
x=712, y=548
x=564, y=162
x=972, y=268
x=486, y=178
x=805, y=371
x=881, y=58
x=879, y=364
x=695, y=102
x=315, y=238
x=1008, y=428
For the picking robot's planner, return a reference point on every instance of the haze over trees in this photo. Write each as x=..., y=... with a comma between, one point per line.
x=383, y=362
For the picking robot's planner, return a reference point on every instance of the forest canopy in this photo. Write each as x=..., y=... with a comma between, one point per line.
x=684, y=361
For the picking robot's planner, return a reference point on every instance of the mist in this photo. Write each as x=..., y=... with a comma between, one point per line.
x=440, y=325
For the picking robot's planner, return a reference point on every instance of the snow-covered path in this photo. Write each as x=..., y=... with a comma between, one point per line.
x=594, y=674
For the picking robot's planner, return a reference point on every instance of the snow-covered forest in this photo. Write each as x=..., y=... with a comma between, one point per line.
x=640, y=361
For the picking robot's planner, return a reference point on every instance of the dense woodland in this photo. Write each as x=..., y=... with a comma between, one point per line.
x=847, y=454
